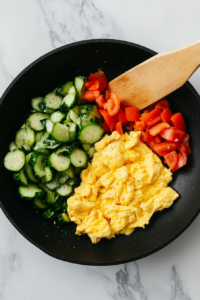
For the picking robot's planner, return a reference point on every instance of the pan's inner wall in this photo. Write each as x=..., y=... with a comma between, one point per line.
x=60, y=241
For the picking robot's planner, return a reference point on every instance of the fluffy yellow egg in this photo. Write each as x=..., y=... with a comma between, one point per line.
x=121, y=189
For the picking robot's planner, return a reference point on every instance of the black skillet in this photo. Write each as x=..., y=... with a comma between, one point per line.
x=45, y=74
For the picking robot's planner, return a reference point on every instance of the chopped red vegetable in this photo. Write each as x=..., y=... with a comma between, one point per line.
x=118, y=128
x=139, y=125
x=166, y=147
x=173, y=134
x=153, y=122
x=171, y=159
x=158, y=128
x=132, y=113
x=106, y=95
x=88, y=84
x=151, y=115
x=91, y=95
x=162, y=104
x=182, y=159
x=109, y=105
x=100, y=101
x=121, y=116
x=108, y=119
x=166, y=115
x=114, y=110
x=95, y=85
x=105, y=127
x=178, y=121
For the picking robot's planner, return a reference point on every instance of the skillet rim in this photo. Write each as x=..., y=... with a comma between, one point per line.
x=188, y=84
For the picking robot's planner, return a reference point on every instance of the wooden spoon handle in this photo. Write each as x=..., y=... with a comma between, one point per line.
x=156, y=77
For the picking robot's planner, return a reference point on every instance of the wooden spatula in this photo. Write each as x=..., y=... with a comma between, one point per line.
x=156, y=77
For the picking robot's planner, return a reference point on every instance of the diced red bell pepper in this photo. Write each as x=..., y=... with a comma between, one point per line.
x=182, y=160
x=153, y=122
x=171, y=159
x=162, y=104
x=100, y=101
x=122, y=116
x=89, y=83
x=114, y=106
x=95, y=85
x=166, y=115
x=108, y=119
x=146, y=137
x=118, y=128
x=129, y=126
x=132, y=114
x=178, y=121
x=157, y=140
x=101, y=77
x=151, y=115
x=91, y=95
x=139, y=125
x=105, y=127
x=106, y=95
x=165, y=148
x=116, y=119
x=103, y=83
x=173, y=134
x=158, y=128
x=109, y=105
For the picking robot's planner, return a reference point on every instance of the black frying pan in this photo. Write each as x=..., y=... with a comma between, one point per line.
x=45, y=74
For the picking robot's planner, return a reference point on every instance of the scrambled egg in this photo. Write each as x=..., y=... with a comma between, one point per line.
x=121, y=189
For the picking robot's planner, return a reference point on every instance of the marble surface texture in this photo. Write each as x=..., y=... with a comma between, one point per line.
x=29, y=29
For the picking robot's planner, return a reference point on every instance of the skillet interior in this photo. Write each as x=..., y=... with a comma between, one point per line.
x=45, y=74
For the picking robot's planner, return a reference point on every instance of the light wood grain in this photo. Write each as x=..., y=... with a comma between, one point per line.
x=156, y=77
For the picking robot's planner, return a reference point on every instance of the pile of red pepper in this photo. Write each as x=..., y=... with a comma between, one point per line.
x=163, y=131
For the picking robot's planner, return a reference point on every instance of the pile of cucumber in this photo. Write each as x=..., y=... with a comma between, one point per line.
x=52, y=147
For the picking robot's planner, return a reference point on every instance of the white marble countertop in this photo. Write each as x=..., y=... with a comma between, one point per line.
x=29, y=29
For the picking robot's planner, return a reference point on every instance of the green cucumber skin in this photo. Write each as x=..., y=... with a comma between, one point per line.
x=33, y=162
x=49, y=215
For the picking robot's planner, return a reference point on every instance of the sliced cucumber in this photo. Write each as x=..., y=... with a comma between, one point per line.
x=76, y=110
x=20, y=178
x=59, y=162
x=36, y=162
x=49, y=126
x=62, y=178
x=49, y=214
x=44, y=108
x=69, y=172
x=78, y=158
x=13, y=146
x=65, y=190
x=44, y=152
x=77, y=170
x=64, y=208
x=35, y=102
x=30, y=192
x=57, y=203
x=38, y=136
x=39, y=205
x=61, y=133
x=72, y=90
x=48, y=174
x=52, y=185
x=86, y=147
x=80, y=87
x=61, y=149
x=72, y=131
x=30, y=137
x=43, y=187
x=50, y=197
x=90, y=134
x=63, y=218
x=14, y=160
x=71, y=181
x=72, y=116
x=35, y=121
x=69, y=100
x=64, y=89
x=91, y=152
x=57, y=117
x=20, y=137
x=52, y=101
x=30, y=175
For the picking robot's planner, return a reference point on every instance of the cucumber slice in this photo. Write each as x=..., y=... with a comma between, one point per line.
x=35, y=121
x=50, y=197
x=49, y=126
x=20, y=178
x=36, y=162
x=78, y=158
x=48, y=174
x=86, y=147
x=35, y=102
x=30, y=137
x=52, y=185
x=90, y=134
x=52, y=101
x=61, y=133
x=64, y=208
x=69, y=172
x=72, y=131
x=65, y=190
x=63, y=218
x=91, y=152
x=20, y=137
x=58, y=162
x=77, y=170
x=76, y=110
x=73, y=116
x=38, y=136
x=72, y=90
x=63, y=90
x=62, y=178
x=30, y=192
x=44, y=152
x=39, y=205
x=49, y=215
x=46, y=144
x=80, y=87
x=61, y=149
x=13, y=146
x=43, y=187
x=71, y=181
x=57, y=203
x=57, y=117
x=14, y=160
x=69, y=100
x=30, y=175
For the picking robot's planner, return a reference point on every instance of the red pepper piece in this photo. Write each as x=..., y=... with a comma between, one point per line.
x=178, y=121
x=153, y=122
x=158, y=128
x=171, y=159
x=122, y=116
x=118, y=128
x=108, y=119
x=173, y=134
x=166, y=147
x=139, y=125
x=132, y=114
x=151, y=115
x=166, y=115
